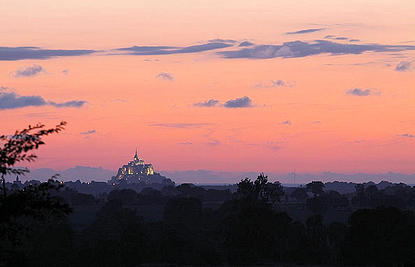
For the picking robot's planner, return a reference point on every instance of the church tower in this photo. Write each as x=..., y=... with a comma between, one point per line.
x=136, y=158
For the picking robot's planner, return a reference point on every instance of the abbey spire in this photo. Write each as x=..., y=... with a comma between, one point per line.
x=136, y=158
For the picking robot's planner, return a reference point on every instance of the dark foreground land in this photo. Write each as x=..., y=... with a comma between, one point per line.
x=258, y=223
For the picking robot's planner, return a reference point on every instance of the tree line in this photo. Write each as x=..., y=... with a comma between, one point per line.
x=248, y=228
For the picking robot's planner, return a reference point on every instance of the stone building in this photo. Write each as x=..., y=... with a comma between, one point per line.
x=137, y=171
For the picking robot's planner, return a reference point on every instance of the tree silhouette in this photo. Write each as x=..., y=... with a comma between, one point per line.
x=384, y=236
x=16, y=148
x=300, y=194
x=260, y=190
x=251, y=229
x=316, y=187
x=23, y=211
x=183, y=210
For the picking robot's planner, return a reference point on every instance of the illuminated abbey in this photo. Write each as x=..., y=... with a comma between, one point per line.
x=137, y=171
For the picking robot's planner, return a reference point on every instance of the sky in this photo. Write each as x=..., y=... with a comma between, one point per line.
x=236, y=86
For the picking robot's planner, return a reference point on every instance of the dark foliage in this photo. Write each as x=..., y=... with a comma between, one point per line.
x=299, y=194
x=381, y=236
x=16, y=148
x=251, y=228
x=26, y=213
x=316, y=187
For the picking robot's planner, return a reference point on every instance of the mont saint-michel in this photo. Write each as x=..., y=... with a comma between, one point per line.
x=137, y=171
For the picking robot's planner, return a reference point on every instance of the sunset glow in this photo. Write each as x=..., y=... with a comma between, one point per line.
x=329, y=85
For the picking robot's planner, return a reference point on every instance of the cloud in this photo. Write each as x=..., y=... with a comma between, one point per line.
x=278, y=83
x=180, y=125
x=165, y=76
x=274, y=83
x=120, y=100
x=306, y=31
x=242, y=102
x=341, y=38
x=29, y=52
x=73, y=103
x=11, y=100
x=362, y=92
x=245, y=49
x=185, y=143
x=166, y=50
x=354, y=40
x=46, y=115
x=89, y=132
x=246, y=43
x=298, y=49
x=286, y=123
x=356, y=64
x=208, y=103
x=273, y=146
x=65, y=72
x=214, y=142
x=29, y=71
x=222, y=41
x=407, y=135
x=404, y=66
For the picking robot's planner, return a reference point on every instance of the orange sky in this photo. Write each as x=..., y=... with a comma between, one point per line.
x=128, y=105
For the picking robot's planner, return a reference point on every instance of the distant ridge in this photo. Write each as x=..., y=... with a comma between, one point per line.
x=86, y=173
x=222, y=177
x=83, y=173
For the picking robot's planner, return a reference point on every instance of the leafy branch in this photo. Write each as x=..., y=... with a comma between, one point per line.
x=17, y=148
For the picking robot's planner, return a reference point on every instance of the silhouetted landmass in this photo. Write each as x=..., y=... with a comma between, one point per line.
x=98, y=224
